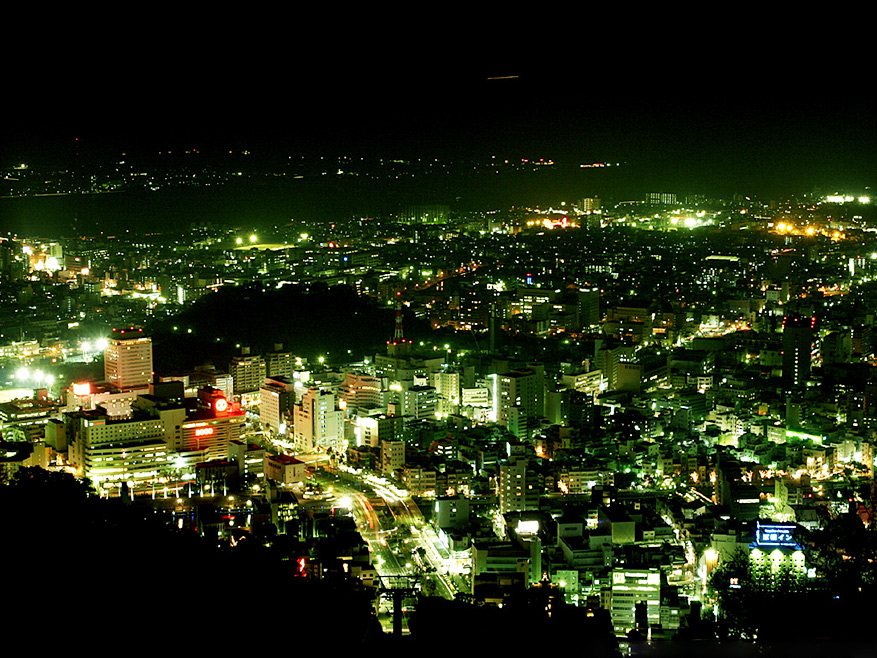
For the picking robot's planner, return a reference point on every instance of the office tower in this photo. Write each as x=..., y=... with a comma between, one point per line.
x=797, y=344
x=128, y=359
x=588, y=308
x=519, y=488
x=279, y=363
x=518, y=397
x=275, y=402
x=317, y=423
x=247, y=372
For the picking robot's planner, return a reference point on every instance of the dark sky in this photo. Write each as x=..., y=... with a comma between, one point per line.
x=731, y=101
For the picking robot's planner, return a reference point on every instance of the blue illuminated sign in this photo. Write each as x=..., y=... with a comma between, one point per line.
x=775, y=535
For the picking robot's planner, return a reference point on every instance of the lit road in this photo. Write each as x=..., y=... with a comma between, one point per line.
x=401, y=558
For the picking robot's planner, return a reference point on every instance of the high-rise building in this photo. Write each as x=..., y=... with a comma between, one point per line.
x=275, y=402
x=797, y=345
x=588, y=308
x=208, y=429
x=279, y=363
x=371, y=430
x=517, y=491
x=128, y=360
x=518, y=396
x=317, y=423
x=392, y=455
x=247, y=372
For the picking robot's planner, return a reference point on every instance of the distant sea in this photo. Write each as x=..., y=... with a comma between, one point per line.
x=260, y=205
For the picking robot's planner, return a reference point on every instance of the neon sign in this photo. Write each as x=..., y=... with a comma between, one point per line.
x=775, y=535
x=221, y=405
x=205, y=431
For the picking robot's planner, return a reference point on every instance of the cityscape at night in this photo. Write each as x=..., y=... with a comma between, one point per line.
x=456, y=359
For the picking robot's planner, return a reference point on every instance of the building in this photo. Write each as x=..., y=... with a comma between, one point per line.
x=361, y=391
x=371, y=430
x=518, y=398
x=276, y=397
x=632, y=588
x=425, y=214
x=317, y=422
x=518, y=489
x=109, y=451
x=451, y=512
x=797, y=346
x=392, y=456
x=285, y=470
x=279, y=363
x=417, y=401
x=128, y=360
x=209, y=428
x=776, y=554
x=250, y=459
x=248, y=372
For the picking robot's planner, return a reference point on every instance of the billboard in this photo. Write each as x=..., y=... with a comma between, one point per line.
x=776, y=534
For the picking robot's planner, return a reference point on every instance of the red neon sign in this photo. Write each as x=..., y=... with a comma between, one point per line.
x=205, y=431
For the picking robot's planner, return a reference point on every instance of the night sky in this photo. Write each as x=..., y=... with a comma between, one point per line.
x=730, y=104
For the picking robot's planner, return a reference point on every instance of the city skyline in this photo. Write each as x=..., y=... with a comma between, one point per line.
x=496, y=351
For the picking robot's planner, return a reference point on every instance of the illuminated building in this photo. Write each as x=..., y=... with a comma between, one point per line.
x=85, y=396
x=284, y=469
x=518, y=396
x=392, y=456
x=419, y=480
x=250, y=458
x=247, y=372
x=317, y=424
x=279, y=363
x=797, y=344
x=275, y=402
x=360, y=391
x=128, y=360
x=23, y=413
x=775, y=551
x=371, y=430
x=632, y=588
x=109, y=450
x=425, y=214
x=519, y=488
x=447, y=386
x=418, y=402
x=588, y=307
x=208, y=430
x=12, y=265
x=661, y=198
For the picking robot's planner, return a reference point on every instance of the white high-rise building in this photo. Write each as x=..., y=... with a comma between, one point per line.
x=317, y=422
x=128, y=360
x=517, y=397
